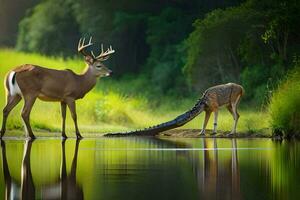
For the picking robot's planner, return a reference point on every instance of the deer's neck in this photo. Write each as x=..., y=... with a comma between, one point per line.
x=87, y=81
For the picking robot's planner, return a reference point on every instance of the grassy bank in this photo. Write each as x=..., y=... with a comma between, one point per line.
x=111, y=106
x=285, y=104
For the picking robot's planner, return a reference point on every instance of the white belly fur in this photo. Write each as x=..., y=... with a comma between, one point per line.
x=14, y=89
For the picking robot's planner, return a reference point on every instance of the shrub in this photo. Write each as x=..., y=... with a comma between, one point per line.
x=284, y=106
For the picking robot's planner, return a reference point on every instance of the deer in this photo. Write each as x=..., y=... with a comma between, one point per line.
x=31, y=82
x=213, y=98
x=228, y=95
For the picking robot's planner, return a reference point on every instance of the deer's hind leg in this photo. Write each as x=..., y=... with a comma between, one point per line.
x=29, y=101
x=232, y=108
x=12, y=101
x=229, y=108
x=63, y=115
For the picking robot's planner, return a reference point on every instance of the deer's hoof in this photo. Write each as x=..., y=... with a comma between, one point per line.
x=32, y=137
x=63, y=135
x=231, y=134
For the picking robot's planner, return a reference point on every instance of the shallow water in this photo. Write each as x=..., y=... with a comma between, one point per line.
x=150, y=168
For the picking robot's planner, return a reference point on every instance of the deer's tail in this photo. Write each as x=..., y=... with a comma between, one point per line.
x=11, y=84
x=177, y=122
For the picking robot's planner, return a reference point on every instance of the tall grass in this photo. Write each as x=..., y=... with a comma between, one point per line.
x=113, y=105
x=284, y=106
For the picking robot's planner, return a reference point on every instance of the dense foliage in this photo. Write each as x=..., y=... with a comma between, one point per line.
x=147, y=35
x=175, y=47
x=253, y=43
x=51, y=32
x=285, y=104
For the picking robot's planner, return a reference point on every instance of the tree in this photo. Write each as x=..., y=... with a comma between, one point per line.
x=11, y=12
x=252, y=43
x=213, y=47
x=165, y=34
x=49, y=29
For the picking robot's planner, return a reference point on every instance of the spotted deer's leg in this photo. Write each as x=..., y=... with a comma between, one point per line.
x=29, y=101
x=207, y=115
x=229, y=108
x=72, y=106
x=215, y=121
x=63, y=115
x=235, y=114
x=12, y=101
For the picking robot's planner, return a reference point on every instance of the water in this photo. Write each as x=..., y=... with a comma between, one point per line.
x=149, y=168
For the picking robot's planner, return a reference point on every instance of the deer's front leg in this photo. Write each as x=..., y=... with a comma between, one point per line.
x=72, y=106
x=63, y=115
x=29, y=101
x=207, y=115
x=215, y=121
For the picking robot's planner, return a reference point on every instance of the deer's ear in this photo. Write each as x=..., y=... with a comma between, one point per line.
x=89, y=60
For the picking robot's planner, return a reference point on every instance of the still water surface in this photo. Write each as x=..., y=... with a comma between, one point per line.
x=150, y=168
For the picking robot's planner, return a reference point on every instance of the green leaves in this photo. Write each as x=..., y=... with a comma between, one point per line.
x=284, y=106
x=49, y=29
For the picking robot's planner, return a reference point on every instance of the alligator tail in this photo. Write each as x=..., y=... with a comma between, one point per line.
x=175, y=123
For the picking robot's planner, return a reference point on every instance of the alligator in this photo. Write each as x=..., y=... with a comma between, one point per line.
x=214, y=97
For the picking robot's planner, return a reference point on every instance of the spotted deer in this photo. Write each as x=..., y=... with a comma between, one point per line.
x=213, y=98
x=228, y=95
x=30, y=82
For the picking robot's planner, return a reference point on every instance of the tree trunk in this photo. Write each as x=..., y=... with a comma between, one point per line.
x=220, y=69
x=235, y=61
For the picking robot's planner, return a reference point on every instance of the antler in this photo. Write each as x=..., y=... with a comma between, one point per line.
x=81, y=46
x=104, y=55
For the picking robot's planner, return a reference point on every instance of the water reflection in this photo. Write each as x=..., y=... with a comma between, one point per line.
x=70, y=189
x=150, y=168
x=218, y=181
x=27, y=185
x=9, y=182
x=65, y=188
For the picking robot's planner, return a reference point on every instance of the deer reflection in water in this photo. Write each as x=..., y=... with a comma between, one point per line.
x=217, y=180
x=65, y=188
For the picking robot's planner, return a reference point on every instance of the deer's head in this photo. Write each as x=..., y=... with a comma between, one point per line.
x=95, y=62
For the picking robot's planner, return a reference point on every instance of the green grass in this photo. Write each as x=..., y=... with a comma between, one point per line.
x=112, y=105
x=284, y=106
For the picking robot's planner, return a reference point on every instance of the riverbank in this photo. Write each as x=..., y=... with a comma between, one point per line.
x=175, y=133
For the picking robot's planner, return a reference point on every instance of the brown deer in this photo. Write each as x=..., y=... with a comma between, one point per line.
x=31, y=82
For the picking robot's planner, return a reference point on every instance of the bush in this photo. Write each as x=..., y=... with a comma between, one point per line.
x=49, y=28
x=284, y=106
x=254, y=82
